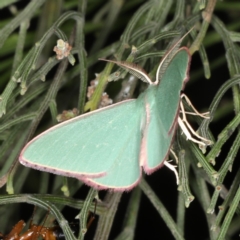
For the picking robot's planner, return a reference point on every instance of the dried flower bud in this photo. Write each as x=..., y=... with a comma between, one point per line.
x=62, y=49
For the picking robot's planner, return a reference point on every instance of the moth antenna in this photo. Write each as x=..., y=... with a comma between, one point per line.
x=167, y=58
x=134, y=69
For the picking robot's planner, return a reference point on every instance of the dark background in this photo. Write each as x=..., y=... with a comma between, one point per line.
x=201, y=92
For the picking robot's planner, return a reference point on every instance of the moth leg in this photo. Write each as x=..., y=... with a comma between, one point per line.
x=188, y=134
x=174, y=154
x=187, y=129
x=172, y=168
x=203, y=115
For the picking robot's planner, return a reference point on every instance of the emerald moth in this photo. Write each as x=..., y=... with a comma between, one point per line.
x=109, y=147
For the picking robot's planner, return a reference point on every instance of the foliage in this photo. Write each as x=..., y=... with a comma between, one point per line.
x=33, y=81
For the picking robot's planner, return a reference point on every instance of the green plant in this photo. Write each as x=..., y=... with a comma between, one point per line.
x=111, y=28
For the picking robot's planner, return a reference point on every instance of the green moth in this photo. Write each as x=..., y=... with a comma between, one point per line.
x=109, y=147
